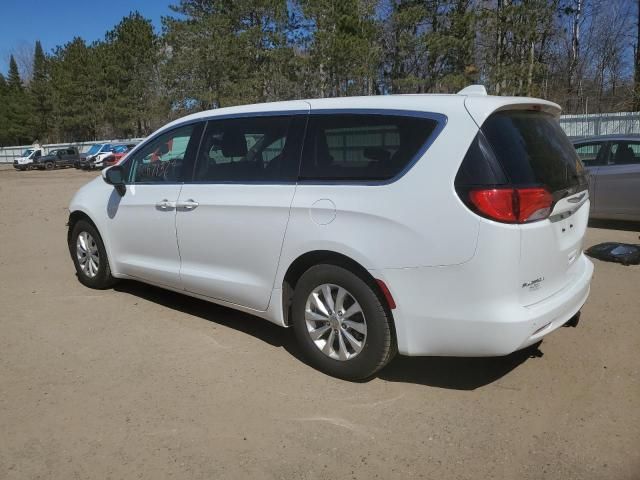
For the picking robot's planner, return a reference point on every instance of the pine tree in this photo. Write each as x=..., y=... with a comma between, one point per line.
x=344, y=50
x=78, y=96
x=40, y=92
x=131, y=75
x=18, y=107
x=222, y=53
x=4, y=140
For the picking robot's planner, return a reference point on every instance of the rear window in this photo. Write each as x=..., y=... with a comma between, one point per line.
x=362, y=146
x=532, y=149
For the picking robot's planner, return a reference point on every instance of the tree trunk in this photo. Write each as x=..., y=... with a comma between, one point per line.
x=575, y=46
x=636, y=78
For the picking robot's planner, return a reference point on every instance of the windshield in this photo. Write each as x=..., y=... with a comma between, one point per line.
x=94, y=149
x=27, y=152
x=106, y=147
x=52, y=152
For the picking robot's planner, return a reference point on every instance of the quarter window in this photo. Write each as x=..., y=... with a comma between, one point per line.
x=252, y=149
x=362, y=146
x=162, y=160
x=589, y=153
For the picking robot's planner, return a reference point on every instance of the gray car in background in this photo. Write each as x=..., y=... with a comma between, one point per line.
x=613, y=162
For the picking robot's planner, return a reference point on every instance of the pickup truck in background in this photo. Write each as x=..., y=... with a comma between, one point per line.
x=57, y=158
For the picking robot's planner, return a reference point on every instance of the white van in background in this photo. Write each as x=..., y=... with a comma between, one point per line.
x=26, y=160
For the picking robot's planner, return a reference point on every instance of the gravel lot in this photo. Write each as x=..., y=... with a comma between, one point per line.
x=138, y=382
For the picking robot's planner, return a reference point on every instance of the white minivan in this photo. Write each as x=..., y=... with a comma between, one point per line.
x=419, y=224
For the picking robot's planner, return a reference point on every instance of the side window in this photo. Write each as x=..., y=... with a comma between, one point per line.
x=161, y=160
x=252, y=149
x=362, y=146
x=624, y=153
x=589, y=154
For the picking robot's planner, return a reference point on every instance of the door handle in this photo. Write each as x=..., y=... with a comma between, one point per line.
x=190, y=204
x=165, y=205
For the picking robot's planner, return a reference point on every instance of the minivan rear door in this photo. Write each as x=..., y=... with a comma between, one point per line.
x=533, y=151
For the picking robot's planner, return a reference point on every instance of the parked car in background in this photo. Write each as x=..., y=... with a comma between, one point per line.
x=59, y=157
x=423, y=224
x=613, y=162
x=87, y=159
x=117, y=154
x=27, y=159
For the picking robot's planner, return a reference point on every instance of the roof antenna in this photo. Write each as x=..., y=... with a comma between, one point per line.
x=474, y=90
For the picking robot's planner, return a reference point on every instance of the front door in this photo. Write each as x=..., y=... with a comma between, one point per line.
x=142, y=223
x=232, y=218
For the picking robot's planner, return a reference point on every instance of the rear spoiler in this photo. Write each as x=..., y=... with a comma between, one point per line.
x=480, y=107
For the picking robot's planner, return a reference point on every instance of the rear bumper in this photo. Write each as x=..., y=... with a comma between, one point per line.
x=439, y=312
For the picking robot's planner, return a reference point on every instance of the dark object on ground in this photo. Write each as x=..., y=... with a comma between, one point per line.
x=623, y=253
x=573, y=321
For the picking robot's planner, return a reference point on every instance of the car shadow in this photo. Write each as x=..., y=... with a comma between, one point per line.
x=626, y=226
x=455, y=373
x=442, y=372
x=243, y=322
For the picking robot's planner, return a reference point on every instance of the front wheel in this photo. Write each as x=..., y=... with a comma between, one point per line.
x=341, y=323
x=89, y=256
x=49, y=165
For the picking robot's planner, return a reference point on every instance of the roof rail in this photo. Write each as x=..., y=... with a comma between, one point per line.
x=474, y=90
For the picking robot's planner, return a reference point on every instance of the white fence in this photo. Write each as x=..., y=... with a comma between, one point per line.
x=9, y=154
x=576, y=126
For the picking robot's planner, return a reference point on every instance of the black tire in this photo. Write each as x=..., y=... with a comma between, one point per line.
x=103, y=278
x=379, y=344
x=49, y=166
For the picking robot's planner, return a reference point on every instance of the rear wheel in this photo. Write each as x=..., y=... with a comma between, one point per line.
x=341, y=323
x=89, y=256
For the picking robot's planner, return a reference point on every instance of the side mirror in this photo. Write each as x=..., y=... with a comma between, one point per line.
x=115, y=176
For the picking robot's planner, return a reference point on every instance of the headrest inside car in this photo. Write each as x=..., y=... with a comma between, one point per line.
x=234, y=144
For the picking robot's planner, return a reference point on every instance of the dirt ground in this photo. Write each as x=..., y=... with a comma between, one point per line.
x=137, y=382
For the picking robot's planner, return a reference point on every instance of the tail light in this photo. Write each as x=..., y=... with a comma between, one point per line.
x=512, y=205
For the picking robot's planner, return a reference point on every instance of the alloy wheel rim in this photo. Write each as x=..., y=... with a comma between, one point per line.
x=87, y=254
x=335, y=322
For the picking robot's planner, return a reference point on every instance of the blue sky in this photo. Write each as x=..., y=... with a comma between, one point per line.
x=55, y=22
